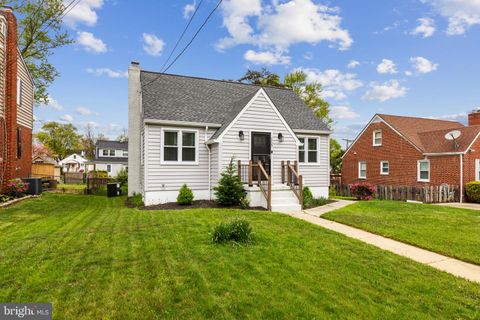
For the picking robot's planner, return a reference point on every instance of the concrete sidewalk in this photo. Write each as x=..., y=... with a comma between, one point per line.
x=453, y=266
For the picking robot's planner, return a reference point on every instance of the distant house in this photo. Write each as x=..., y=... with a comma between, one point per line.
x=186, y=130
x=16, y=104
x=110, y=156
x=74, y=163
x=409, y=151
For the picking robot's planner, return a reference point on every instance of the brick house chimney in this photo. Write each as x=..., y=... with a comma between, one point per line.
x=474, y=118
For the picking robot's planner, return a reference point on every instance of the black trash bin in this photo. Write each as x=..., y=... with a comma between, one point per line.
x=34, y=186
x=113, y=189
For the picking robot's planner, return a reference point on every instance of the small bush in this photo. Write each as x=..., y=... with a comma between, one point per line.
x=229, y=191
x=320, y=201
x=244, y=203
x=307, y=197
x=473, y=191
x=98, y=174
x=16, y=188
x=4, y=198
x=185, y=196
x=332, y=192
x=238, y=231
x=363, y=190
x=122, y=177
x=135, y=201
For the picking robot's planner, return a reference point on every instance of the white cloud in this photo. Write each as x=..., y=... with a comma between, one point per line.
x=423, y=65
x=343, y=112
x=90, y=43
x=425, y=28
x=152, y=44
x=52, y=103
x=108, y=72
x=334, y=82
x=462, y=117
x=66, y=118
x=353, y=64
x=83, y=13
x=385, y=91
x=188, y=9
x=408, y=73
x=281, y=24
x=266, y=57
x=461, y=14
x=83, y=111
x=308, y=55
x=387, y=67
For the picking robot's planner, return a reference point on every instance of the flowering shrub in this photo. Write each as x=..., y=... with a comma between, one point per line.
x=363, y=190
x=16, y=188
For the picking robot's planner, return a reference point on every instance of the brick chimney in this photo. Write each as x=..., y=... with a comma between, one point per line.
x=474, y=118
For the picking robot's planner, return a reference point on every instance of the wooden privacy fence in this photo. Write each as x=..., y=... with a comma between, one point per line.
x=426, y=194
x=74, y=177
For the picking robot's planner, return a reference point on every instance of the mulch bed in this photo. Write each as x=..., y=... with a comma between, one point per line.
x=197, y=204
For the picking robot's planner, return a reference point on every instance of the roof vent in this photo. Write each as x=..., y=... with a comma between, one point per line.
x=453, y=136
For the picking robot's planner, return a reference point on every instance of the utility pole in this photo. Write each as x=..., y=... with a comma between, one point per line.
x=348, y=142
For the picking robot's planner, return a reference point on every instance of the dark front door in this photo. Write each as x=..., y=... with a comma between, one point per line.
x=261, y=151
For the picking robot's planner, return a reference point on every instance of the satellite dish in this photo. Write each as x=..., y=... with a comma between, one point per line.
x=453, y=135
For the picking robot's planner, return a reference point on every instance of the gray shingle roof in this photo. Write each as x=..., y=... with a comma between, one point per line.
x=182, y=98
x=123, y=160
x=110, y=144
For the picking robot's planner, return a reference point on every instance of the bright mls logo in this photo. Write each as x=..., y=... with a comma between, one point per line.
x=29, y=311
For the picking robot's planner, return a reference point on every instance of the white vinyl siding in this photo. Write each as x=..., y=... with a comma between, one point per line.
x=258, y=117
x=170, y=177
x=214, y=163
x=25, y=108
x=318, y=174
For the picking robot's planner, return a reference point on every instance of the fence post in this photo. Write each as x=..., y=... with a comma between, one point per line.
x=283, y=172
x=300, y=184
x=289, y=174
x=250, y=173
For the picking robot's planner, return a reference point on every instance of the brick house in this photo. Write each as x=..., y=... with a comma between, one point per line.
x=16, y=104
x=408, y=151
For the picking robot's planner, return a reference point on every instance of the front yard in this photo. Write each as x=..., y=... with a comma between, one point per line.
x=94, y=258
x=449, y=231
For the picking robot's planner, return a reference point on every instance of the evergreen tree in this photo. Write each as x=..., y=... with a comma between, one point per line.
x=230, y=188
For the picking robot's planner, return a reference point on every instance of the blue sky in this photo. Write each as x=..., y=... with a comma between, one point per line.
x=405, y=57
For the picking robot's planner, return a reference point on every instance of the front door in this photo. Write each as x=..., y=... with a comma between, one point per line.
x=261, y=151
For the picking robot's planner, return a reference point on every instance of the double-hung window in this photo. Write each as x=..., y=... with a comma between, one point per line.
x=105, y=152
x=112, y=153
x=308, y=151
x=384, y=168
x=424, y=171
x=180, y=146
x=377, y=138
x=362, y=169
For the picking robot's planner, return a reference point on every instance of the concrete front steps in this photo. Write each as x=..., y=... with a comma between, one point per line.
x=284, y=200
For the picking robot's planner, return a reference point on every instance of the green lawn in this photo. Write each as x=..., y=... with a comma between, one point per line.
x=93, y=258
x=450, y=231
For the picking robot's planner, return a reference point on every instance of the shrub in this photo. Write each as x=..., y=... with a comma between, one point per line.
x=98, y=174
x=244, y=203
x=185, y=196
x=320, y=201
x=473, y=191
x=363, y=190
x=135, y=201
x=238, y=231
x=230, y=189
x=307, y=197
x=16, y=188
x=332, y=192
x=122, y=177
x=4, y=198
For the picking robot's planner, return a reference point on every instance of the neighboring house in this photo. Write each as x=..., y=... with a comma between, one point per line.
x=16, y=104
x=408, y=151
x=44, y=166
x=74, y=163
x=186, y=130
x=110, y=156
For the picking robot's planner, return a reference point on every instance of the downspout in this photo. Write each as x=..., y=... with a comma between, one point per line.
x=461, y=178
x=209, y=165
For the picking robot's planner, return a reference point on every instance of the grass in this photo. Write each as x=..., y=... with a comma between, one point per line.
x=94, y=258
x=449, y=231
x=72, y=186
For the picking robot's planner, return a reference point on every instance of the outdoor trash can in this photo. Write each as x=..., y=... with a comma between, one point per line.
x=113, y=189
x=34, y=186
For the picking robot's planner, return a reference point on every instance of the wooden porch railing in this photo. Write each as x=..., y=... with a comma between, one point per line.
x=265, y=185
x=291, y=176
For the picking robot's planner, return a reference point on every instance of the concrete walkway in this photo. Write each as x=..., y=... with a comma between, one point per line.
x=453, y=266
x=464, y=205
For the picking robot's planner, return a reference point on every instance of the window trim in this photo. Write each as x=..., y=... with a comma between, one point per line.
x=381, y=138
x=19, y=91
x=180, y=132
x=360, y=169
x=418, y=171
x=381, y=168
x=477, y=169
x=305, y=150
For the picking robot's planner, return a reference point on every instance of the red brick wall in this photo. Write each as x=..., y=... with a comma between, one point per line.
x=402, y=157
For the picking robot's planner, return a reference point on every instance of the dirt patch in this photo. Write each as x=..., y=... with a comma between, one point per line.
x=198, y=204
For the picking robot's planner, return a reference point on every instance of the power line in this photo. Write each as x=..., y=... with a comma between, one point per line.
x=183, y=33
x=188, y=44
x=33, y=16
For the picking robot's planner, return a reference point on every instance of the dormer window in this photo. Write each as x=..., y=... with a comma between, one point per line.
x=377, y=138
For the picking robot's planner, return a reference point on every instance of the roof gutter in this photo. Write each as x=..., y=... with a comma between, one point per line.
x=182, y=123
x=312, y=131
x=433, y=154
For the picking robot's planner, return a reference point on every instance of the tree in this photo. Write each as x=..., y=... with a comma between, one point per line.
x=262, y=77
x=123, y=137
x=230, y=188
x=60, y=139
x=336, y=154
x=88, y=142
x=41, y=30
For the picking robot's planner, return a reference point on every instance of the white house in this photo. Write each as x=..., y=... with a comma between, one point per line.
x=110, y=156
x=73, y=163
x=186, y=130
